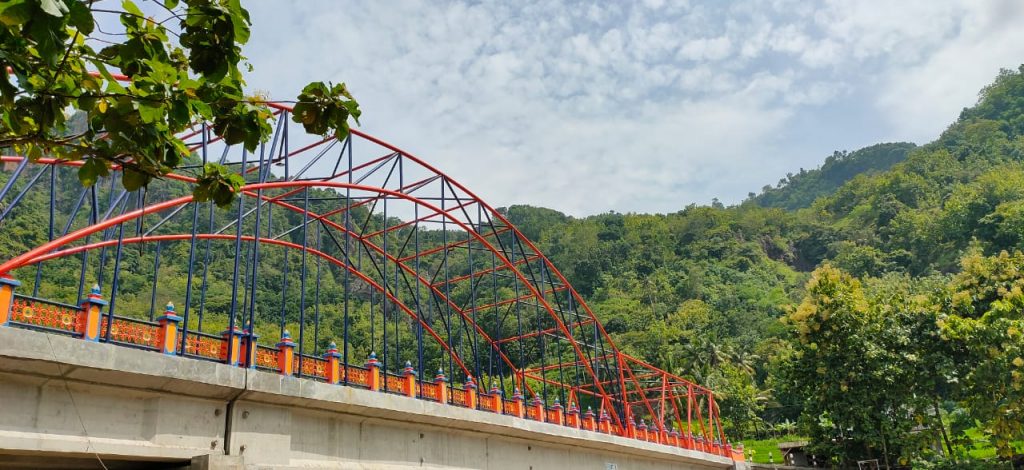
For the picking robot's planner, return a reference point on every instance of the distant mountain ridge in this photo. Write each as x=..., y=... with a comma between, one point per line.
x=797, y=191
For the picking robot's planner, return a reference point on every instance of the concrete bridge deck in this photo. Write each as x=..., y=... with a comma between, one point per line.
x=64, y=401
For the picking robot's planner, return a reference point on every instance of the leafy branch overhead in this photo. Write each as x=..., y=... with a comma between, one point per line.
x=60, y=62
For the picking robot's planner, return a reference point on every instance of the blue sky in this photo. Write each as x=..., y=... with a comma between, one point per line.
x=638, y=107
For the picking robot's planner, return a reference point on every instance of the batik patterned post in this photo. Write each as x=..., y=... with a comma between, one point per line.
x=167, y=335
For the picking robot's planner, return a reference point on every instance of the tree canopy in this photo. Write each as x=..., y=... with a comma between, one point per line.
x=180, y=69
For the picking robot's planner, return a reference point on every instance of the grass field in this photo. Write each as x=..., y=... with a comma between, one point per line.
x=758, y=450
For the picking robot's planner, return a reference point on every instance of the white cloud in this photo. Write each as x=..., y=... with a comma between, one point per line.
x=635, y=108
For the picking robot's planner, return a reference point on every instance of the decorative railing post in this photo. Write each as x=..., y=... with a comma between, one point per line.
x=442, y=386
x=249, y=342
x=604, y=422
x=409, y=374
x=673, y=438
x=498, y=401
x=641, y=430
x=630, y=427
x=664, y=438
x=231, y=348
x=89, y=316
x=559, y=416
x=373, y=372
x=572, y=416
x=167, y=335
x=286, y=354
x=7, y=285
x=470, y=393
x=588, y=420
x=333, y=358
x=538, y=408
x=517, y=400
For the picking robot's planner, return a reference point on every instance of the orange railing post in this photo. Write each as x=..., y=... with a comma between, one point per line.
x=286, y=354
x=333, y=358
x=7, y=286
x=589, y=422
x=409, y=374
x=442, y=386
x=517, y=399
x=572, y=416
x=232, y=346
x=373, y=372
x=167, y=335
x=559, y=416
x=89, y=316
x=538, y=408
x=249, y=340
x=498, y=403
x=470, y=393
x=604, y=422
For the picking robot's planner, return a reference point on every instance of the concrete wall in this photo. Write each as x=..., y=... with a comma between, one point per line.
x=62, y=400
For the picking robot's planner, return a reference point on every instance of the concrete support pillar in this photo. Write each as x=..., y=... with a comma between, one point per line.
x=333, y=358
x=409, y=374
x=373, y=372
x=7, y=286
x=286, y=354
x=89, y=317
x=167, y=335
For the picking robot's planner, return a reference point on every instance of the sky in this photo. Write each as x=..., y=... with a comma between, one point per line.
x=642, y=106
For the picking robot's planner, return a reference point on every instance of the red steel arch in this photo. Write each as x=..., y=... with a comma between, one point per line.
x=518, y=276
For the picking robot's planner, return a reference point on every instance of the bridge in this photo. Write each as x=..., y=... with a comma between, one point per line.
x=352, y=298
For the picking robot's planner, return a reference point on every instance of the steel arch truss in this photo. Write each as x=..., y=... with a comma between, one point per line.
x=442, y=278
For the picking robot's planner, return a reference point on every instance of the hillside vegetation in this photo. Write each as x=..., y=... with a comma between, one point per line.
x=875, y=294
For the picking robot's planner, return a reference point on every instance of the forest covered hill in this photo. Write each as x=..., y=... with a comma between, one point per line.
x=715, y=293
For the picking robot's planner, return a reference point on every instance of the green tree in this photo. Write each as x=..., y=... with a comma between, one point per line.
x=47, y=46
